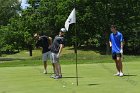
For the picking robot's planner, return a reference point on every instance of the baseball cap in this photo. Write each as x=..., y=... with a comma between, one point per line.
x=63, y=30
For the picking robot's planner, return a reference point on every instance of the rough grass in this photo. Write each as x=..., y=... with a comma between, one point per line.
x=67, y=57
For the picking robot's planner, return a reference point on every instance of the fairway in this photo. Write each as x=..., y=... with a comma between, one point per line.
x=93, y=78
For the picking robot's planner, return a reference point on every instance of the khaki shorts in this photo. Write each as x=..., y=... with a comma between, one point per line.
x=45, y=56
x=54, y=58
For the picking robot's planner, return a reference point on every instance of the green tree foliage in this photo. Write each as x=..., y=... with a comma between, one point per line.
x=7, y=10
x=94, y=18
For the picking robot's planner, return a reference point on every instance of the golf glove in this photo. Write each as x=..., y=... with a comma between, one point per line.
x=121, y=51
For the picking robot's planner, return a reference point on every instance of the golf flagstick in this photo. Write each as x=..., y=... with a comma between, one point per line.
x=76, y=56
x=76, y=45
x=70, y=20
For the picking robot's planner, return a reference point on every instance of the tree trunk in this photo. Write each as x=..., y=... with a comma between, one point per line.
x=30, y=50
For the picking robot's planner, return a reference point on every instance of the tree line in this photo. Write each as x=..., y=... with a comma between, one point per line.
x=93, y=17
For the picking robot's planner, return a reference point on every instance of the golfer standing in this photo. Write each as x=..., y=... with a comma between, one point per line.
x=56, y=49
x=44, y=42
x=116, y=43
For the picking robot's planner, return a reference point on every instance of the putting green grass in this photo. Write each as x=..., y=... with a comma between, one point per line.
x=93, y=78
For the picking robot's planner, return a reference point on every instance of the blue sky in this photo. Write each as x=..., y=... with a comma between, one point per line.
x=24, y=4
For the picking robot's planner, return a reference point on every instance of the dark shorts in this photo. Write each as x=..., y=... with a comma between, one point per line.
x=115, y=55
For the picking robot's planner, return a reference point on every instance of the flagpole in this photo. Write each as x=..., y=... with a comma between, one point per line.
x=70, y=20
x=76, y=55
x=76, y=48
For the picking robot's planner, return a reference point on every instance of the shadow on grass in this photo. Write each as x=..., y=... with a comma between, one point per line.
x=72, y=77
x=93, y=84
x=129, y=75
x=10, y=59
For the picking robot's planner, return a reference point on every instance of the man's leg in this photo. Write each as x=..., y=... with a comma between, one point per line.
x=56, y=70
x=114, y=57
x=117, y=65
x=52, y=60
x=120, y=65
x=59, y=70
x=44, y=58
x=45, y=67
x=53, y=68
x=56, y=66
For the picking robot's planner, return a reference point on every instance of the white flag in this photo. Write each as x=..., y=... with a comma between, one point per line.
x=71, y=19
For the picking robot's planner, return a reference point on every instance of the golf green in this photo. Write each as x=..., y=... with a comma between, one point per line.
x=93, y=78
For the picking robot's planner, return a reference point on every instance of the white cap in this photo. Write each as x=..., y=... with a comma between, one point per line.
x=63, y=30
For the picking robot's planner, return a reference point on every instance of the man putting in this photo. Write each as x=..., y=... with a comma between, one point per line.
x=56, y=49
x=116, y=42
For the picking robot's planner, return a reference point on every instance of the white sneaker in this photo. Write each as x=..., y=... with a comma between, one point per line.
x=45, y=72
x=56, y=77
x=121, y=74
x=52, y=76
x=117, y=74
